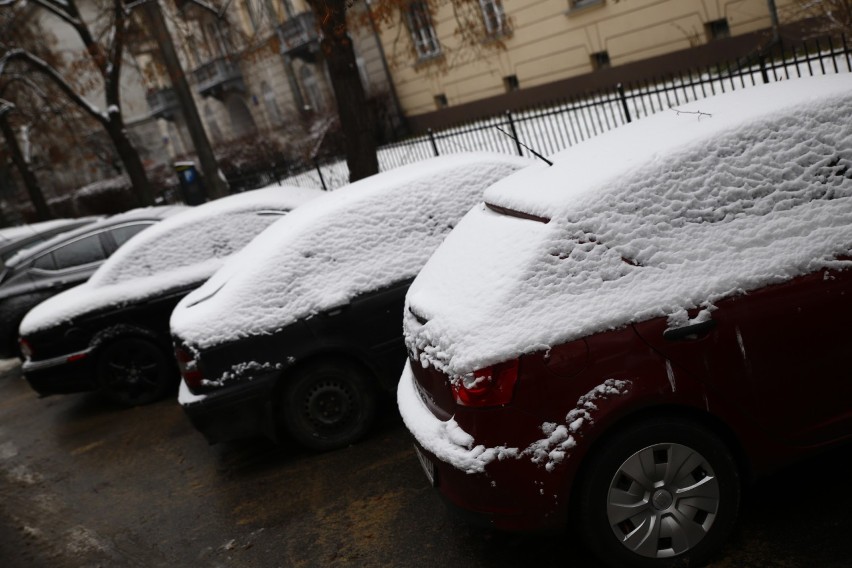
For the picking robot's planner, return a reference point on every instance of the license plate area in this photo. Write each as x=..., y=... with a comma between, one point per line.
x=428, y=467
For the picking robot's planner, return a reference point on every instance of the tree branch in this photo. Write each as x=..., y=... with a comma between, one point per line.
x=6, y=106
x=112, y=77
x=12, y=79
x=60, y=13
x=54, y=76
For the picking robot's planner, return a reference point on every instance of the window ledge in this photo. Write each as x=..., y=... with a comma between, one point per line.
x=425, y=60
x=577, y=10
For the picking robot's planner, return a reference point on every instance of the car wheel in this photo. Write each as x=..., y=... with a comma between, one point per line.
x=134, y=371
x=661, y=493
x=328, y=405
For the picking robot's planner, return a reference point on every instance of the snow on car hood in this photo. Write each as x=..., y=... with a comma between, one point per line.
x=673, y=212
x=363, y=237
x=182, y=250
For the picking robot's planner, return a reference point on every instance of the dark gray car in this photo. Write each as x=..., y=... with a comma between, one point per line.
x=13, y=239
x=34, y=274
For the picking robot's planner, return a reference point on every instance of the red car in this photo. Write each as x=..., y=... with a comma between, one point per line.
x=618, y=346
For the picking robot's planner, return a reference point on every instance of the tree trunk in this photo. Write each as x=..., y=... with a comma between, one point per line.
x=131, y=161
x=355, y=116
x=30, y=181
x=215, y=185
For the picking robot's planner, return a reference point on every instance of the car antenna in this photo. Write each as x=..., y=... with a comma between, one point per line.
x=534, y=153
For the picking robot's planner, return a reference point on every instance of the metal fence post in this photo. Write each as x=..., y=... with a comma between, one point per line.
x=514, y=132
x=432, y=140
x=763, y=72
x=623, y=97
x=319, y=172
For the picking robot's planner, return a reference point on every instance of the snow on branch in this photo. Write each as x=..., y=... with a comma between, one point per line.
x=6, y=107
x=210, y=7
x=58, y=9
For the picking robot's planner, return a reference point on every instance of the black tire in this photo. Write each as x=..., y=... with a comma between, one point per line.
x=328, y=405
x=685, y=517
x=133, y=371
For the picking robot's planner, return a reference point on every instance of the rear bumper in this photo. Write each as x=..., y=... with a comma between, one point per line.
x=66, y=374
x=234, y=412
x=497, y=486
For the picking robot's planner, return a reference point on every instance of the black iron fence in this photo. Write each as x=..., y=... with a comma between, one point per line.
x=547, y=129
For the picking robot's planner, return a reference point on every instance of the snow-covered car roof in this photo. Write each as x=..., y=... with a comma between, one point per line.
x=670, y=213
x=140, y=214
x=363, y=237
x=180, y=251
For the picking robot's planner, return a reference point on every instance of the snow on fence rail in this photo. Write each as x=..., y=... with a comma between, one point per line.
x=556, y=126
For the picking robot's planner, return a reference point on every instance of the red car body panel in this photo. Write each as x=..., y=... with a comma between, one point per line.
x=752, y=378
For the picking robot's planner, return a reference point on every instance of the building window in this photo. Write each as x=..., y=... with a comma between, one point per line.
x=441, y=101
x=600, y=60
x=511, y=83
x=580, y=4
x=311, y=87
x=422, y=32
x=493, y=16
x=717, y=29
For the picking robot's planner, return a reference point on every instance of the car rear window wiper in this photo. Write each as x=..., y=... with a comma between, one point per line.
x=514, y=213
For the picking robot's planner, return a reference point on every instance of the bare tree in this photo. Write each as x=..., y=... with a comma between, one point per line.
x=104, y=53
x=18, y=158
x=830, y=16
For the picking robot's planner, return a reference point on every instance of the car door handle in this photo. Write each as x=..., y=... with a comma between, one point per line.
x=692, y=331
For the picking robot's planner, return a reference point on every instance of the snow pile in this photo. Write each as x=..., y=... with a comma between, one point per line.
x=366, y=236
x=178, y=252
x=101, y=186
x=670, y=213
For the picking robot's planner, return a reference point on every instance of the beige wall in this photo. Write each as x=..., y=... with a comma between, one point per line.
x=549, y=42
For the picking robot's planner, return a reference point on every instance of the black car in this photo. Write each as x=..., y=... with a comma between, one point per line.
x=70, y=258
x=111, y=333
x=301, y=332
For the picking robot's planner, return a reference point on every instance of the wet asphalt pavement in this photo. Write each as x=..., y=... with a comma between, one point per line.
x=84, y=483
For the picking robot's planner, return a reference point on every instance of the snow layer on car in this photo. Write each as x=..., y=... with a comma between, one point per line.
x=670, y=213
x=360, y=238
x=182, y=250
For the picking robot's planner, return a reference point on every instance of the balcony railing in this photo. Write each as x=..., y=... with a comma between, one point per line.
x=218, y=77
x=162, y=102
x=298, y=34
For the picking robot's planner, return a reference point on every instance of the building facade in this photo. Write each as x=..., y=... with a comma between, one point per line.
x=530, y=45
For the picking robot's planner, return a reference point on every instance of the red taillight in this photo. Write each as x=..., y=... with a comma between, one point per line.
x=188, y=367
x=26, y=348
x=491, y=386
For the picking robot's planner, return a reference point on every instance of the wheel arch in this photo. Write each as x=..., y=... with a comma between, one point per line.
x=337, y=352
x=113, y=333
x=661, y=412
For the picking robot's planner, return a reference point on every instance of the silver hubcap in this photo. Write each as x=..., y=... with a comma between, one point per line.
x=663, y=500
